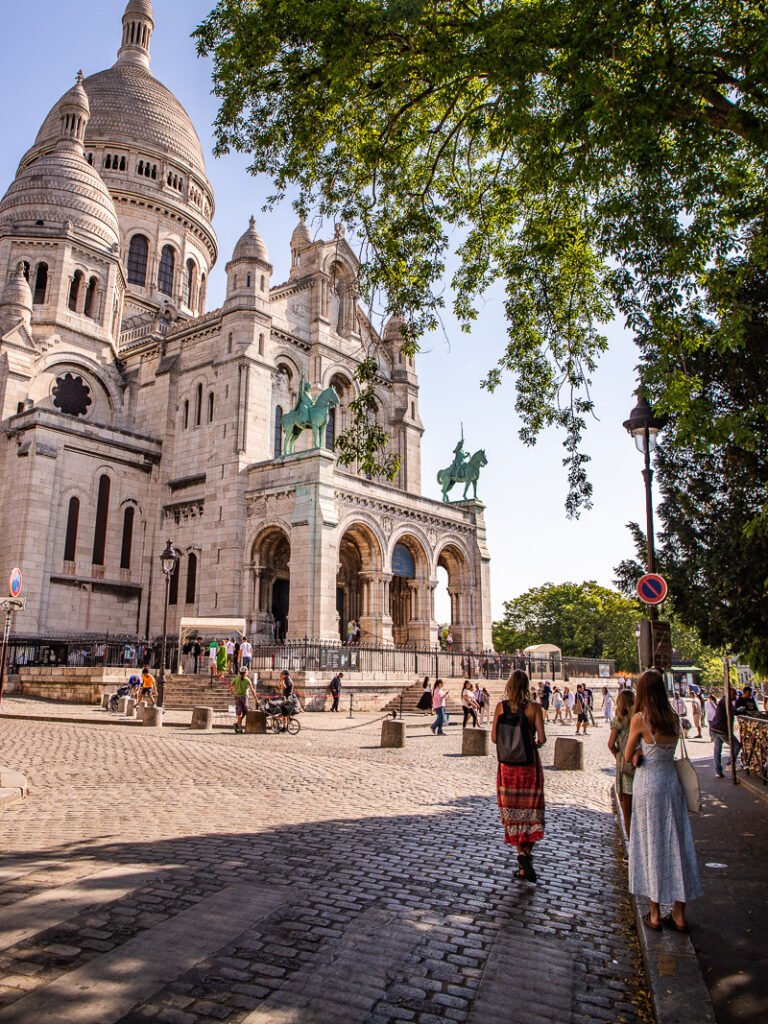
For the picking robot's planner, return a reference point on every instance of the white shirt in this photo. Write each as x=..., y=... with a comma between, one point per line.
x=709, y=710
x=245, y=649
x=230, y=647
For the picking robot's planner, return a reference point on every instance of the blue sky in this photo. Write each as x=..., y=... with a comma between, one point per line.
x=530, y=538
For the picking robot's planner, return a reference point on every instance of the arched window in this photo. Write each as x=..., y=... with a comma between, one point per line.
x=190, y=283
x=74, y=290
x=125, y=550
x=247, y=280
x=191, y=579
x=278, y=431
x=25, y=266
x=102, y=516
x=201, y=303
x=140, y=168
x=330, y=430
x=173, y=589
x=165, y=270
x=138, y=257
x=90, y=306
x=261, y=344
x=122, y=163
x=186, y=413
x=198, y=404
x=108, y=161
x=70, y=541
x=41, y=284
x=210, y=407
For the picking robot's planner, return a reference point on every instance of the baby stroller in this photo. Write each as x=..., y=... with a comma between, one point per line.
x=128, y=689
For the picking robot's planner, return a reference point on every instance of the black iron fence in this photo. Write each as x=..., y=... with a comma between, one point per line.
x=304, y=656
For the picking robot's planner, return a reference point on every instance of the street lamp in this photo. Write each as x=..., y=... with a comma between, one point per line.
x=644, y=426
x=168, y=560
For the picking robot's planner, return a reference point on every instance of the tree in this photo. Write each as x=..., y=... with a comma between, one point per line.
x=592, y=155
x=583, y=619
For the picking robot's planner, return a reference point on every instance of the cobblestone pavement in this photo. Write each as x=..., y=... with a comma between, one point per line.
x=184, y=877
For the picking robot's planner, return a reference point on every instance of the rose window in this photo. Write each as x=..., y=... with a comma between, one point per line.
x=71, y=395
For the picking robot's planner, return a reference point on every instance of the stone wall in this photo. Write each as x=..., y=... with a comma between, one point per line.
x=70, y=685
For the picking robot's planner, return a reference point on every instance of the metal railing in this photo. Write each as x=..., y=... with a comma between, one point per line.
x=753, y=731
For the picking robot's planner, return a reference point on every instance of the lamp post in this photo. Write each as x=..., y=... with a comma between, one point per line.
x=168, y=560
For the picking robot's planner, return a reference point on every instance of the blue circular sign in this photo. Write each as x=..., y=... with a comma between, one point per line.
x=651, y=589
x=14, y=583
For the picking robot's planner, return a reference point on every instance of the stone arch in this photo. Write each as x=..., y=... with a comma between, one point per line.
x=453, y=558
x=269, y=600
x=341, y=297
x=77, y=362
x=360, y=579
x=411, y=587
x=338, y=416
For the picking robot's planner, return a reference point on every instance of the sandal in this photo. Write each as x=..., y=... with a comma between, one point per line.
x=649, y=923
x=526, y=867
x=670, y=922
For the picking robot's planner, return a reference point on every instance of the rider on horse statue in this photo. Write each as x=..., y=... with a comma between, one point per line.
x=459, y=460
x=305, y=402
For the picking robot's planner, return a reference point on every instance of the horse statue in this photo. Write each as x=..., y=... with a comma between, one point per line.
x=466, y=474
x=308, y=416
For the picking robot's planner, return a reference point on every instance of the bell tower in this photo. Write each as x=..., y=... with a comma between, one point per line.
x=138, y=23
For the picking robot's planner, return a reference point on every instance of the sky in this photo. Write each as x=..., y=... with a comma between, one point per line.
x=530, y=538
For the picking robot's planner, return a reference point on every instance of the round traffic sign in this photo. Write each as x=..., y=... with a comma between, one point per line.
x=14, y=583
x=651, y=589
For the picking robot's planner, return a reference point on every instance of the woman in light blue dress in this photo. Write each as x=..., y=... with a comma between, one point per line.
x=662, y=857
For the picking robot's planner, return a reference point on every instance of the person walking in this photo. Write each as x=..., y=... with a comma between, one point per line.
x=557, y=704
x=580, y=710
x=485, y=715
x=545, y=697
x=221, y=659
x=607, y=706
x=335, y=689
x=662, y=856
x=697, y=710
x=718, y=729
x=240, y=687
x=681, y=710
x=710, y=709
x=350, y=632
x=425, y=700
x=617, y=742
x=520, y=786
x=439, y=696
x=568, y=701
x=246, y=653
x=213, y=649
x=197, y=650
x=147, y=689
x=229, y=645
x=468, y=704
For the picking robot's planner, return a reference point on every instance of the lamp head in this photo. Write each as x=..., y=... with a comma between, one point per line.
x=643, y=425
x=168, y=559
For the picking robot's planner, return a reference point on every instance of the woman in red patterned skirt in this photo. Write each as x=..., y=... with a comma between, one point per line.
x=520, y=787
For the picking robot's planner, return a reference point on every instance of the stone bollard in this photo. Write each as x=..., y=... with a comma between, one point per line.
x=569, y=754
x=475, y=742
x=393, y=732
x=140, y=709
x=130, y=708
x=255, y=722
x=202, y=718
x=122, y=705
x=105, y=699
x=152, y=717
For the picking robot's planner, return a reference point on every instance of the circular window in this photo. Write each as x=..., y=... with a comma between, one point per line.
x=71, y=395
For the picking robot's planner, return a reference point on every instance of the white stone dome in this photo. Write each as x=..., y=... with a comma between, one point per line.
x=250, y=245
x=393, y=333
x=301, y=237
x=17, y=291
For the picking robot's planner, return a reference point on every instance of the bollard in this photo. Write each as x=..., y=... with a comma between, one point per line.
x=202, y=718
x=152, y=717
x=475, y=742
x=393, y=732
x=130, y=708
x=569, y=754
x=105, y=699
x=122, y=705
x=255, y=722
x=141, y=707
x=350, y=705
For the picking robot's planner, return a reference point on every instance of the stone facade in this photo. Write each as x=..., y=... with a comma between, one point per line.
x=130, y=415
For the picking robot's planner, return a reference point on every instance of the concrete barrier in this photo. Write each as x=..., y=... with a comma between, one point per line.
x=256, y=722
x=105, y=699
x=475, y=742
x=202, y=718
x=130, y=708
x=122, y=705
x=569, y=754
x=393, y=732
x=152, y=717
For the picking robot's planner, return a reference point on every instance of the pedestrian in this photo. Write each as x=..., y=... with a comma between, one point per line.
x=335, y=689
x=607, y=706
x=557, y=704
x=449, y=641
x=662, y=857
x=197, y=650
x=544, y=698
x=568, y=701
x=246, y=653
x=350, y=632
x=240, y=687
x=288, y=695
x=580, y=710
x=358, y=633
x=710, y=709
x=236, y=655
x=617, y=742
x=719, y=731
x=590, y=704
x=519, y=723
x=468, y=704
x=485, y=717
x=697, y=715
x=147, y=691
x=229, y=645
x=745, y=704
x=425, y=700
x=213, y=649
x=221, y=659
x=439, y=696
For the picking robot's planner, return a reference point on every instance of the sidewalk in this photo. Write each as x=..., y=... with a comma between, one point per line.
x=729, y=925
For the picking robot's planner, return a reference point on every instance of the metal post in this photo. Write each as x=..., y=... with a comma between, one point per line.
x=653, y=612
x=401, y=704
x=6, y=638
x=161, y=683
x=350, y=705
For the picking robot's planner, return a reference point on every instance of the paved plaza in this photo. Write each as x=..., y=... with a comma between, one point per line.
x=183, y=877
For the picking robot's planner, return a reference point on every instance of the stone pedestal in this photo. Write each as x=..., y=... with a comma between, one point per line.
x=393, y=732
x=105, y=699
x=202, y=718
x=152, y=717
x=122, y=705
x=256, y=722
x=130, y=708
x=475, y=742
x=569, y=754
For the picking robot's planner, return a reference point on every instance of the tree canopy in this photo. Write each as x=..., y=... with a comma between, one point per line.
x=591, y=156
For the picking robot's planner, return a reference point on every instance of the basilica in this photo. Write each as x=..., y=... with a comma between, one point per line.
x=132, y=414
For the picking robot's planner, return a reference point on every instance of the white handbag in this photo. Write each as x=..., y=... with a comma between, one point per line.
x=689, y=780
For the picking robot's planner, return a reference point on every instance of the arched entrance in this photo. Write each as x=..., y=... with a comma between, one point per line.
x=409, y=594
x=271, y=592
x=360, y=583
x=453, y=561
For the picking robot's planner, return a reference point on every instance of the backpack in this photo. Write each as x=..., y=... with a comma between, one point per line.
x=514, y=742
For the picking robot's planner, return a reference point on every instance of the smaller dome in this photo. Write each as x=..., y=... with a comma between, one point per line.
x=141, y=7
x=251, y=245
x=76, y=99
x=393, y=333
x=17, y=291
x=301, y=237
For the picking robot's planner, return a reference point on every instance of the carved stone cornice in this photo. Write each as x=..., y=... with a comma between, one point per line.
x=402, y=514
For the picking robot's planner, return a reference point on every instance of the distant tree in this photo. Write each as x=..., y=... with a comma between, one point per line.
x=584, y=620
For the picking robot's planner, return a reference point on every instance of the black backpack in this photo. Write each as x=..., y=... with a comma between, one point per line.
x=514, y=742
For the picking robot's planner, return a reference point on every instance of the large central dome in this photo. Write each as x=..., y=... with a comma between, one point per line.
x=128, y=103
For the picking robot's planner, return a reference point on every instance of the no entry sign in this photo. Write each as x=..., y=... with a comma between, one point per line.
x=14, y=583
x=651, y=589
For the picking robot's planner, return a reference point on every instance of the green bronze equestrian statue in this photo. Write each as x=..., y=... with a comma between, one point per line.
x=308, y=414
x=462, y=470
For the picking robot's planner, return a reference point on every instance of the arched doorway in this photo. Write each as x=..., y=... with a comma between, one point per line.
x=360, y=583
x=409, y=594
x=452, y=565
x=270, y=604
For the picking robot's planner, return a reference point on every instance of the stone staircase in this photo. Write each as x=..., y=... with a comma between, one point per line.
x=412, y=694
x=183, y=692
